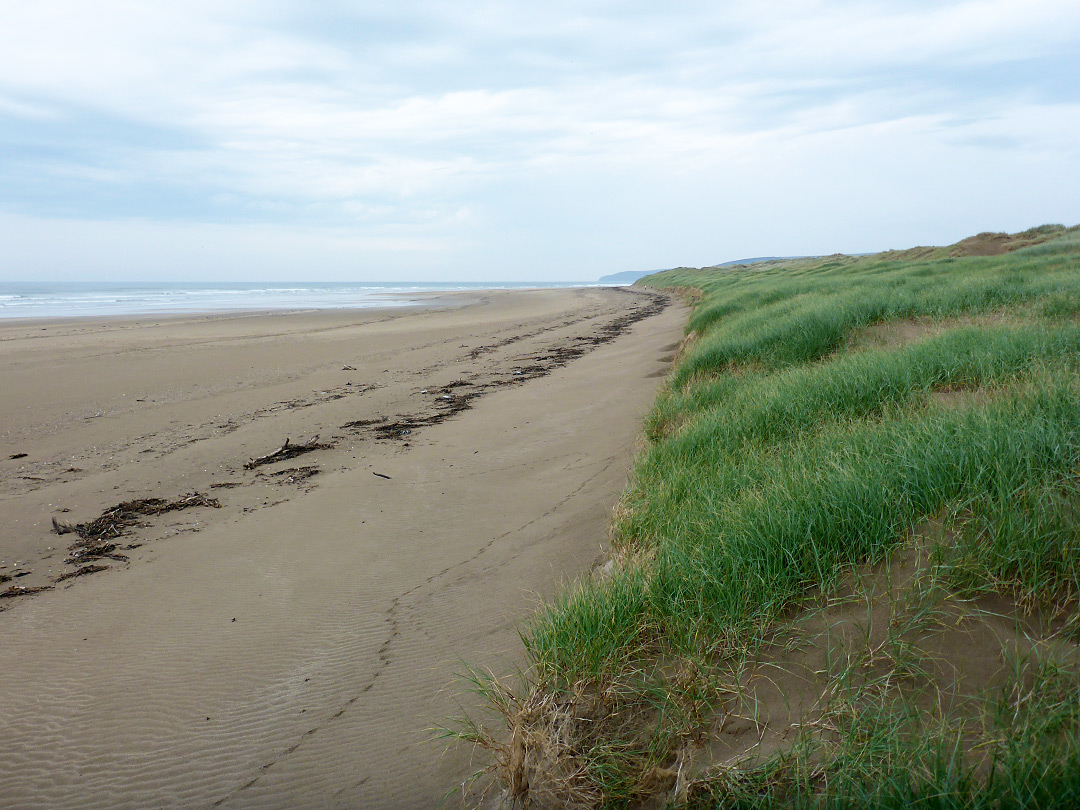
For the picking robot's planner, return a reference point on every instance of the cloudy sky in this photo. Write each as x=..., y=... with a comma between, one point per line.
x=281, y=140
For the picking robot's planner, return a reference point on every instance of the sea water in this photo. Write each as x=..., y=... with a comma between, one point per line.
x=65, y=299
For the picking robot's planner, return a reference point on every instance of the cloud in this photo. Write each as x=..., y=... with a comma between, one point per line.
x=365, y=116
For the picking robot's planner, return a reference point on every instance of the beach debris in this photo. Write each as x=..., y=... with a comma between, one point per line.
x=348, y=368
x=448, y=402
x=79, y=572
x=380, y=475
x=288, y=450
x=362, y=423
x=113, y=522
x=295, y=475
x=96, y=538
x=226, y=484
x=18, y=455
x=83, y=551
x=23, y=590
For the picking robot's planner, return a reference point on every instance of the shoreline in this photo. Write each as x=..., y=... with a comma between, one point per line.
x=56, y=300
x=423, y=301
x=356, y=587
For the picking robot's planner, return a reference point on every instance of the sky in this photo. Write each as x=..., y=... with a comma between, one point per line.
x=273, y=140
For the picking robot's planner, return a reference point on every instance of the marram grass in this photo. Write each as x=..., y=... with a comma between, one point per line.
x=823, y=410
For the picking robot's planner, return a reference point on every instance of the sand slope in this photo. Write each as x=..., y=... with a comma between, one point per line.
x=293, y=648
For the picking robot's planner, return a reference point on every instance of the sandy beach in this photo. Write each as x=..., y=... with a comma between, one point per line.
x=291, y=639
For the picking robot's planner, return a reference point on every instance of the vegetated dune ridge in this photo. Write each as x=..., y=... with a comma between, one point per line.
x=286, y=634
x=846, y=572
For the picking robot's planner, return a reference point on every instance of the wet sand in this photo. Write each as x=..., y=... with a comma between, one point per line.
x=295, y=646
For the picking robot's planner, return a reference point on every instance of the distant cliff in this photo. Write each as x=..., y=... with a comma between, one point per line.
x=626, y=276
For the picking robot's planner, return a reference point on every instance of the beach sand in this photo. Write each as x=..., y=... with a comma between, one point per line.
x=295, y=646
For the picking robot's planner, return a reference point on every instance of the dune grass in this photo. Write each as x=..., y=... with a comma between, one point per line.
x=886, y=757
x=798, y=439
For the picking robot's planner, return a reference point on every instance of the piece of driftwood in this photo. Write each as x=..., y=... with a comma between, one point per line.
x=288, y=450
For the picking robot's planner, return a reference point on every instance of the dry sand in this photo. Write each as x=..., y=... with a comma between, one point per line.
x=294, y=647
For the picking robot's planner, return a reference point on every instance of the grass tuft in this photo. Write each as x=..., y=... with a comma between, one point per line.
x=909, y=422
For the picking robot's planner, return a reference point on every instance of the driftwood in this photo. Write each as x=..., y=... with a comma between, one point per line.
x=287, y=450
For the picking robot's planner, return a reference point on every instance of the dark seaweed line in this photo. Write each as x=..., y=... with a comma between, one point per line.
x=450, y=402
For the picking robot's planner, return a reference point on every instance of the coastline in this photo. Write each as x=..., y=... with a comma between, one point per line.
x=356, y=590
x=20, y=300
x=419, y=300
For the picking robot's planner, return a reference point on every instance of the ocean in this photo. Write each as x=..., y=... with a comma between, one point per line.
x=67, y=299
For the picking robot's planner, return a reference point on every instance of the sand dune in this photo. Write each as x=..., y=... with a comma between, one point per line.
x=293, y=647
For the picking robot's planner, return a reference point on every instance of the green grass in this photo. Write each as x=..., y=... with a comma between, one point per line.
x=788, y=449
x=740, y=531
x=886, y=756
